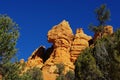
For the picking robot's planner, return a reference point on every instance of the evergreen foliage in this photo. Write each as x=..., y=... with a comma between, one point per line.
x=32, y=74
x=86, y=68
x=101, y=62
x=70, y=75
x=11, y=71
x=61, y=76
x=8, y=36
x=60, y=68
x=102, y=15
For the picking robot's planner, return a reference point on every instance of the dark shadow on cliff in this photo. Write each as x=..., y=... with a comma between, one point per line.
x=47, y=53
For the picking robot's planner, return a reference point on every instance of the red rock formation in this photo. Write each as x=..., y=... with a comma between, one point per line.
x=65, y=49
x=79, y=43
x=61, y=36
x=108, y=30
x=35, y=59
x=22, y=61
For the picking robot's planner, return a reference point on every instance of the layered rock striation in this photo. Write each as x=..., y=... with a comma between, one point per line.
x=66, y=47
x=79, y=43
x=61, y=36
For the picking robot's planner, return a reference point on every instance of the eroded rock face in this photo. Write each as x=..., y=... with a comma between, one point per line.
x=79, y=43
x=22, y=61
x=61, y=36
x=108, y=30
x=65, y=50
x=36, y=58
x=60, y=31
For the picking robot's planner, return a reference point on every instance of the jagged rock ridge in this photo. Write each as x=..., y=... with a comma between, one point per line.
x=65, y=49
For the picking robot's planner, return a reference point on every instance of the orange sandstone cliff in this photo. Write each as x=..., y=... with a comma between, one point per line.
x=66, y=47
x=79, y=43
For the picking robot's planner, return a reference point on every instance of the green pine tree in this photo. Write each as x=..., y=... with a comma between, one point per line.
x=102, y=15
x=8, y=36
x=85, y=66
x=32, y=74
x=102, y=62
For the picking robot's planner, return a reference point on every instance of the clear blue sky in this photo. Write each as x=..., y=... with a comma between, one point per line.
x=36, y=17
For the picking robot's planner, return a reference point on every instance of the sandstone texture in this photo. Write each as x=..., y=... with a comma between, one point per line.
x=79, y=43
x=108, y=30
x=35, y=60
x=65, y=49
x=61, y=36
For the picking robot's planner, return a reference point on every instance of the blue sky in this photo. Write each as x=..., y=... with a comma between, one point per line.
x=36, y=17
